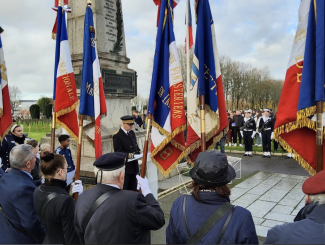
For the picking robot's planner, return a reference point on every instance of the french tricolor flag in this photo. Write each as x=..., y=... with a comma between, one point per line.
x=5, y=108
x=92, y=97
x=65, y=92
x=190, y=31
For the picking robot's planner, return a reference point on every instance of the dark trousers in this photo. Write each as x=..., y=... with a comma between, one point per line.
x=130, y=182
x=248, y=141
x=266, y=140
x=237, y=134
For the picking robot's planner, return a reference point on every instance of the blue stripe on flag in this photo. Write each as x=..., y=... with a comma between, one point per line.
x=57, y=48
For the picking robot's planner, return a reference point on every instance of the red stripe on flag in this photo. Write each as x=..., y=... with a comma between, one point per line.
x=98, y=138
x=103, y=109
x=6, y=119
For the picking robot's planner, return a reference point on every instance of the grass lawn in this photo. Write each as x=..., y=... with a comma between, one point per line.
x=36, y=135
x=36, y=131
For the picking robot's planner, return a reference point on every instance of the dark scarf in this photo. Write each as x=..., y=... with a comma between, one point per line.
x=56, y=182
x=19, y=140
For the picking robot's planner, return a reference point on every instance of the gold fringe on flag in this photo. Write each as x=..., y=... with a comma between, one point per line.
x=297, y=157
x=6, y=132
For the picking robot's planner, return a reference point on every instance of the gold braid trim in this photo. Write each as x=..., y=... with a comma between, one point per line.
x=67, y=110
x=178, y=145
x=169, y=137
x=1, y=112
x=61, y=124
x=6, y=132
x=86, y=117
x=208, y=110
x=307, y=112
x=297, y=157
x=171, y=168
x=286, y=128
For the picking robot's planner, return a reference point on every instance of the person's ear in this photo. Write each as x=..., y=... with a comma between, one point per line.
x=121, y=177
x=307, y=200
x=28, y=164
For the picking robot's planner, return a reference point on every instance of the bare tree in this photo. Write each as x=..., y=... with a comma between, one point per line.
x=15, y=96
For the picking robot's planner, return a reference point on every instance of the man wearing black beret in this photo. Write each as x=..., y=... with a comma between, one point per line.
x=124, y=140
x=106, y=214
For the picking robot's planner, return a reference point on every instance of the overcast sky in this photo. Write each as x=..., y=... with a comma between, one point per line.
x=259, y=32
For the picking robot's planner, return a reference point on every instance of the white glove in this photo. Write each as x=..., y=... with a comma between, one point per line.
x=272, y=135
x=143, y=183
x=253, y=135
x=77, y=187
x=260, y=135
x=241, y=133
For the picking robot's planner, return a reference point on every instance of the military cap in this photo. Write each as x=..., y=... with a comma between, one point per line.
x=248, y=111
x=128, y=119
x=315, y=184
x=267, y=109
x=111, y=161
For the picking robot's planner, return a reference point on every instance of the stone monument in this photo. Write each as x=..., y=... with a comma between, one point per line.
x=119, y=82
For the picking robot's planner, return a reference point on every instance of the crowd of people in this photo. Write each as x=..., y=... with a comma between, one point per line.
x=36, y=205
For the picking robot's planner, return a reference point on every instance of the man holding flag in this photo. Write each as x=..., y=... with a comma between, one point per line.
x=92, y=97
x=206, y=83
x=166, y=101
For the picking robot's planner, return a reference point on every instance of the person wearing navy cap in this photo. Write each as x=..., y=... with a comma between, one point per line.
x=124, y=140
x=127, y=217
x=265, y=130
x=308, y=226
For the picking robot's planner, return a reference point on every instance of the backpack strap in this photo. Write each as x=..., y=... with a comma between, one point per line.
x=226, y=225
x=96, y=205
x=184, y=216
x=49, y=197
x=209, y=223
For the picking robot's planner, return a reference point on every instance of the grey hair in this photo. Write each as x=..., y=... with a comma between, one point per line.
x=45, y=146
x=319, y=198
x=109, y=176
x=21, y=154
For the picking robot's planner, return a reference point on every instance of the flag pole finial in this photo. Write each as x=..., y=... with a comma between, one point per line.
x=59, y=3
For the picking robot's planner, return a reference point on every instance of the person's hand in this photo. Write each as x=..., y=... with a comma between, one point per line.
x=260, y=135
x=8, y=170
x=241, y=133
x=143, y=183
x=271, y=135
x=77, y=187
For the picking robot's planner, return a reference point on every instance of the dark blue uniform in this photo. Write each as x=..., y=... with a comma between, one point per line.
x=248, y=132
x=7, y=144
x=128, y=144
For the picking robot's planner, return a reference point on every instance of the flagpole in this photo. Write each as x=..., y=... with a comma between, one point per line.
x=145, y=149
x=54, y=113
x=319, y=136
x=188, y=72
x=53, y=129
x=77, y=176
x=202, y=109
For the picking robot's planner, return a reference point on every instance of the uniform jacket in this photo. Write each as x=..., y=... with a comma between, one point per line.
x=251, y=126
x=309, y=230
x=16, y=199
x=128, y=144
x=241, y=228
x=7, y=144
x=126, y=217
x=138, y=120
x=58, y=217
x=270, y=123
x=67, y=154
x=230, y=121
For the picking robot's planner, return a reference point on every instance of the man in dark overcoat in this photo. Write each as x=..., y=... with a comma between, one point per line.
x=19, y=223
x=121, y=216
x=124, y=140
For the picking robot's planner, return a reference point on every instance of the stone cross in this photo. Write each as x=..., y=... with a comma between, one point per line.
x=29, y=127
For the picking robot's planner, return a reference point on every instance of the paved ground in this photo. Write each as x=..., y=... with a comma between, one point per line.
x=271, y=194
